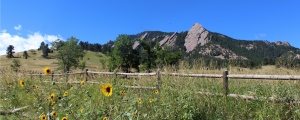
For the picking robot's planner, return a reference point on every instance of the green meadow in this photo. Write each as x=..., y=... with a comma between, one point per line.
x=177, y=98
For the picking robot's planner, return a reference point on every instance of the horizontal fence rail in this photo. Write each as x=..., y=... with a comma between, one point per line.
x=224, y=76
x=268, y=77
x=194, y=75
x=234, y=76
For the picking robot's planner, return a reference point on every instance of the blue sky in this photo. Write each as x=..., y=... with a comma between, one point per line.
x=26, y=23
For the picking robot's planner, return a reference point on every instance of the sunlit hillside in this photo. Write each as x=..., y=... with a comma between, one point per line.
x=35, y=62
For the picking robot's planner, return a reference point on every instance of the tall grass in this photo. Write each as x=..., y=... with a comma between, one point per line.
x=177, y=100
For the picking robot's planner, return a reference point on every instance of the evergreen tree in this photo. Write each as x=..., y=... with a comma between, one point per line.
x=10, y=51
x=148, y=55
x=45, y=51
x=41, y=46
x=123, y=55
x=25, y=54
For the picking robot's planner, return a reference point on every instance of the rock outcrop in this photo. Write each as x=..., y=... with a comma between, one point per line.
x=278, y=43
x=285, y=43
x=196, y=35
x=297, y=56
x=169, y=40
x=136, y=44
x=267, y=42
x=110, y=43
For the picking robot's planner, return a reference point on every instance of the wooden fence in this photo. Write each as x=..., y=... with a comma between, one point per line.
x=224, y=76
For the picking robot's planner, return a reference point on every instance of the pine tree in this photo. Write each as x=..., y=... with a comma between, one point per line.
x=25, y=54
x=148, y=55
x=10, y=51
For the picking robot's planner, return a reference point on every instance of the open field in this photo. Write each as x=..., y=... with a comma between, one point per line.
x=182, y=102
x=35, y=62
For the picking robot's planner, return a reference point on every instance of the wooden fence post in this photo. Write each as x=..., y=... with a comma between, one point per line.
x=52, y=76
x=86, y=75
x=41, y=75
x=158, y=79
x=31, y=76
x=115, y=75
x=225, y=82
x=67, y=76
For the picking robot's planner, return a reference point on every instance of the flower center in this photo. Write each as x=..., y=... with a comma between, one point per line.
x=108, y=89
x=48, y=71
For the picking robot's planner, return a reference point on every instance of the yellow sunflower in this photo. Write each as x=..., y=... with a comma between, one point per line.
x=54, y=114
x=128, y=82
x=9, y=85
x=47, y=71
x=151, y=100
x=164, y=84
x=133, y=114
x=121, y=85
x=1, y=102
x=81, y=111
x=66, y=93
x=139, y=101
x=122, y=92
x=71, y=88
x=21, y=83
x=107, y=89
x=83, y=83
x=64, y=118
x=52, y=97
x=155, y=91
x=161, y=98
x=105, y=118
x=36, y=87
x=43, y=117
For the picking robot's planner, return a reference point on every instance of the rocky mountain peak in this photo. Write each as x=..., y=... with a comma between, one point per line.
x=110, y=43
x=285, y=43
x=169, y=40
x=278, y=43
x=196, y=35
x=267, y=42
x=136, y=44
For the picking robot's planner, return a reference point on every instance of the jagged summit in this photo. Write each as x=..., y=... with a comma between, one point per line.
x=198, y=40
x=110, y=43
x=285, y=43
x=196, y=35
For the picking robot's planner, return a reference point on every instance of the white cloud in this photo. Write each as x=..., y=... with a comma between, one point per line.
x=20, y=44
x=260, y=35
x=4, y=31
x=18, y=28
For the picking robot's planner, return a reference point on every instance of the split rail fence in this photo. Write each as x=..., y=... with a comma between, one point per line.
x=224, y=76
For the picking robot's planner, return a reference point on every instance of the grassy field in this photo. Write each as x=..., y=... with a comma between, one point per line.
x=35, y=62
x=89, y=102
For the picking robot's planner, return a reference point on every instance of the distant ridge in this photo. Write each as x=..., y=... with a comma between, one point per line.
x=201, y=41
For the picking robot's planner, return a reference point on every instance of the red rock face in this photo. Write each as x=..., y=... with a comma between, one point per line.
x=196, y=35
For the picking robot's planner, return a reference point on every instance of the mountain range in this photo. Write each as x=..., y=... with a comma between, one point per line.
x=199, y=40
